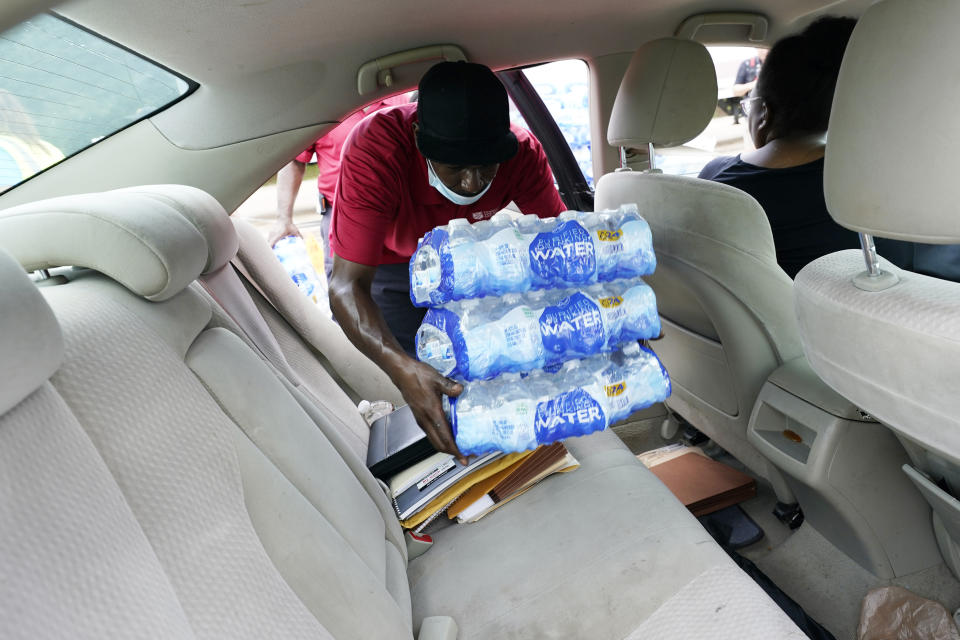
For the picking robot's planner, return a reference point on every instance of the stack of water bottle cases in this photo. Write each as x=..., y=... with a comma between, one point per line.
x=540, y=318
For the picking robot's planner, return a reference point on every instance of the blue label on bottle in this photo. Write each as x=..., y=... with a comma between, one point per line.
x=573, y=326
x=449, y=322
x=564, y=255
x=574, y=413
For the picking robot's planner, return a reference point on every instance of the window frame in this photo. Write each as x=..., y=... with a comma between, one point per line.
x=574, y=190
x=192, y=86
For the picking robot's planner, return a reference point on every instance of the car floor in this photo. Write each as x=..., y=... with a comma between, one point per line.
x=806, y=566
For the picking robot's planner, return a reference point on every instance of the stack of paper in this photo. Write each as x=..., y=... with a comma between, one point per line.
x=498, y=489
x=440, y=484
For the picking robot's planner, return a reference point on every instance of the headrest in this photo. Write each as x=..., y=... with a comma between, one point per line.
x=138, y=240
x=893, y=138
x=667, y=96
x=204, y=212
x=31, y=346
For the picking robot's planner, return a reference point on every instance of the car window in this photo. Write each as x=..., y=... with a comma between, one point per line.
x=564, y=87
x=63, y=88
x=727, y=133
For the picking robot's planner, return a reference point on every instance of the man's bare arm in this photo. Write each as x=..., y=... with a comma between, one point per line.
x=360, y=318
x=289, y=179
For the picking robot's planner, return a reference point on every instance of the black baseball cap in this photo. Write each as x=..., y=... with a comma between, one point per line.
x=463, y=115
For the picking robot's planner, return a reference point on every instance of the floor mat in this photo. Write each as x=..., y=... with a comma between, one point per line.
x=721, y=532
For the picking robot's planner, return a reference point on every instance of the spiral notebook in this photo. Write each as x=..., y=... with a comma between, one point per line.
x=420, y=494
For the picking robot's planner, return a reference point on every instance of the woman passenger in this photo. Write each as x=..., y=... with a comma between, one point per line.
x=788, y=113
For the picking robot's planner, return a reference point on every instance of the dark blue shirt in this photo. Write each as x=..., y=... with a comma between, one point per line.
x=793, y=201
x=803, y=229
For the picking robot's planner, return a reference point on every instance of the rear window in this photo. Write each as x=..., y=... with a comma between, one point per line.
x=63, y=88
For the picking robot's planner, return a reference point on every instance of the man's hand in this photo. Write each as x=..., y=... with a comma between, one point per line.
x=280, y=230
x=289, y=179
x=423, y=387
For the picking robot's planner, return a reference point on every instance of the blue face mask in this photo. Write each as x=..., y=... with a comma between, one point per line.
x=453, y=197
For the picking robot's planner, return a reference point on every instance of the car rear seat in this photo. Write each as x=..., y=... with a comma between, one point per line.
x=75, y=561
x=263, y=526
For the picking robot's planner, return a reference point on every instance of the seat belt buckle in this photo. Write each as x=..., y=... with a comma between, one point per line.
x=417, y=544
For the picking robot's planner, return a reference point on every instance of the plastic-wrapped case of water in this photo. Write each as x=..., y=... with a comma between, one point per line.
x=480, y=339
x=506, y=255
x=513, y=414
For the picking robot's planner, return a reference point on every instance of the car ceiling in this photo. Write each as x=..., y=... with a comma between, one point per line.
x=274, y=65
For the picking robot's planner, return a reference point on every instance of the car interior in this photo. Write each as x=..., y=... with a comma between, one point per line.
x=181, y=450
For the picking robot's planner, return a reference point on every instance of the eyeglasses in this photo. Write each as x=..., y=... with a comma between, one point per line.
x=747, y=104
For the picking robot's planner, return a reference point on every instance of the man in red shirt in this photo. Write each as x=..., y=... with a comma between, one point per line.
x=403, y=171
x=327, y=149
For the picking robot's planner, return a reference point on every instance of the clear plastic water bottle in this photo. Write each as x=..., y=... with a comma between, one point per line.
x=505, y=250
x=479, y=339
x=637, y=242
x=292, y=254
x=622, y=240
x=582, y=397
x=510, y=343
x=466, y=259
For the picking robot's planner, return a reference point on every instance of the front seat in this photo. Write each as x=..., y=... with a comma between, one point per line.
x=726, y=306
x=888, y=339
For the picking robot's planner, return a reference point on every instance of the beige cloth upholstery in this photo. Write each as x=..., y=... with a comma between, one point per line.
x=266, y=528
x=31, y=346
x=893, y=352
x=75, y=562
x=667, y=96
x=726, y=304
x=151, y=253
x=890, y=170
x=896, y=352
x=204, y=212
x=596, y=553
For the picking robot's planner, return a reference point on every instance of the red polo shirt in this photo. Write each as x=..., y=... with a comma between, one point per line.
x=327, y=149
x=384, y=203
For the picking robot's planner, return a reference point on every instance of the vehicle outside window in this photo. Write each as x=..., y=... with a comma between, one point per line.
x=63, y=88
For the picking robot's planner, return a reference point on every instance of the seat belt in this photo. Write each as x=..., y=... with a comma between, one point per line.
x=244, y=274
x=227, y=290
x=246, y=277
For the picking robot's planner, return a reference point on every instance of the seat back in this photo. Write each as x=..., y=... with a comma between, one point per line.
x=891, y=342
x=264, y=527
x=725, y=303
x=76, y=562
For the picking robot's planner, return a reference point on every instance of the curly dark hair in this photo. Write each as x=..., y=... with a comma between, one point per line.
x=799, y=76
